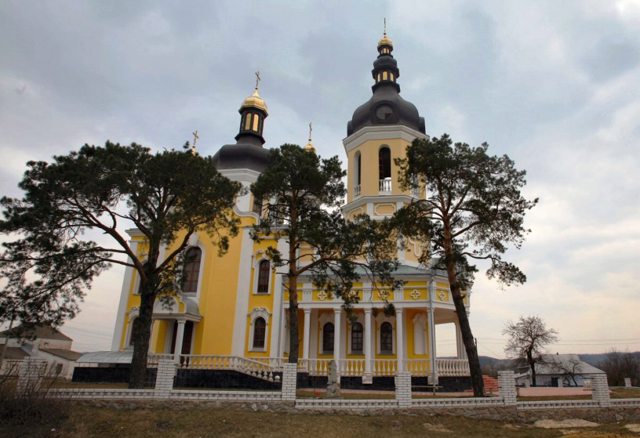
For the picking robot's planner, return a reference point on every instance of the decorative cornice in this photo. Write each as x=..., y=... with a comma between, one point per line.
x=382, y=132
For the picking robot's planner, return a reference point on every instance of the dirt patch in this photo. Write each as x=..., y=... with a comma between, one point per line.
x=436, y=428
x=633, y=427
x=564, y=424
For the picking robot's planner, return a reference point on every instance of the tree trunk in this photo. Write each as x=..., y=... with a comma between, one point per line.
x=293, y=317
x=532, y=365
x=465, y=328
x=141, y=334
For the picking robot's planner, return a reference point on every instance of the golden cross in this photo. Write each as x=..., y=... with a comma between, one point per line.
x=385, y=25
x=310, y=131
x=258, y=78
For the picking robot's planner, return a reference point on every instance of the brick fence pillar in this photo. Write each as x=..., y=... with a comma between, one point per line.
x=507, y=385
x=289, y=378
x=165, y=377
x=30, y=374
x=600, y=392
x=403, y=389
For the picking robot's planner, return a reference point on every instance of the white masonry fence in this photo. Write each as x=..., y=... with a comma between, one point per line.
x=31, y=373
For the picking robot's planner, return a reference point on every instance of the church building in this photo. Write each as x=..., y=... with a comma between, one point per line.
x=236, y=306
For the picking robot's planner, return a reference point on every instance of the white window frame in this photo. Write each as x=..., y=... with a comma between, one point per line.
x=256, y=275
x=259, y=312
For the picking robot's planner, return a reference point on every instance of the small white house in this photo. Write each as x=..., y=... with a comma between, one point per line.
x=559, y=370
x=40, y=342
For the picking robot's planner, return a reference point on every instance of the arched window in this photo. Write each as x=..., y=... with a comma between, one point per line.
x=356, y=337
x=264, y=271
x=259, y=333
x=191, y=269
x=386, y=338
x=358, y=168
x=384, y=163
x=327, y=338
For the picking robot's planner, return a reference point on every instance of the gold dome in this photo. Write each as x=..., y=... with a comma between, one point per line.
x=255, y=101
x=309, y=147
x=385, y=41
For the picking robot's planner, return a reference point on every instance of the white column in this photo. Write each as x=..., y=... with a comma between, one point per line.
x=432, y=335
x=154, y=334
x=179, y=339
x=462, y=352
x=368, y=362
x=306, y=335
x=400, y=339
x=284, y=333
x=337, y=326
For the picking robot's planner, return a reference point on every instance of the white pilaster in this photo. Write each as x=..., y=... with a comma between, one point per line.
x=179, y=339
x=400, y=338
x=124, y=298
x=242, y=294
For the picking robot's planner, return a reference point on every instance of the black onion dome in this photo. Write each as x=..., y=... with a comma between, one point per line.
x=386, y=106
x=241, y=156
x=247, y=152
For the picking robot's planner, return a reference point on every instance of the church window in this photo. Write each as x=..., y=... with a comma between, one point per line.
x=327, y=338
x=386, y=338
x=384, y=76
x=264, y=271
x=259, y=333
x=391, y=76
x=356, y=337
x=384, y=163
x=247, y=122
x=191, y=269
x=256, y=120
x=358, y=168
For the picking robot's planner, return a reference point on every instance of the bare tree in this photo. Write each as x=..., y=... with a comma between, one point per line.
x=619, y=365
x=527, y=337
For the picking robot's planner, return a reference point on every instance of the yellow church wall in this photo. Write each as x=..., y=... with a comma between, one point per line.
x=218, y=295
x=369, y=166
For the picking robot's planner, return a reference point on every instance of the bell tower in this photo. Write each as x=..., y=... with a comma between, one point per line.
x=378, y=133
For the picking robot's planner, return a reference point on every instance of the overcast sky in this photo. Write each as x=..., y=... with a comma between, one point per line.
x=555, y=85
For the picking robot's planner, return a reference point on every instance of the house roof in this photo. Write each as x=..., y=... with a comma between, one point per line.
x=65, y=354
x=107, y=357
x=15, y=353
x=38, y=332
x=563, y=363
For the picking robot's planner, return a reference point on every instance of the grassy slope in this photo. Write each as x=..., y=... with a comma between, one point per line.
x=193, y=420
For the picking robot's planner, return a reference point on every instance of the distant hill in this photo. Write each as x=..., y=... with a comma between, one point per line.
x=591, y=358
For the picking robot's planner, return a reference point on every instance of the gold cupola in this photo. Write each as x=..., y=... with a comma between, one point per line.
x=255, y=101
x=253, y=111
x=309, y=146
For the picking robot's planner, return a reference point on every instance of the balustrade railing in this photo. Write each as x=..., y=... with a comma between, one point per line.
x=453, y=367
x=262, y=368
x=385, y=367
x=266, y=367
x=385, y=185
x=356, y=190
